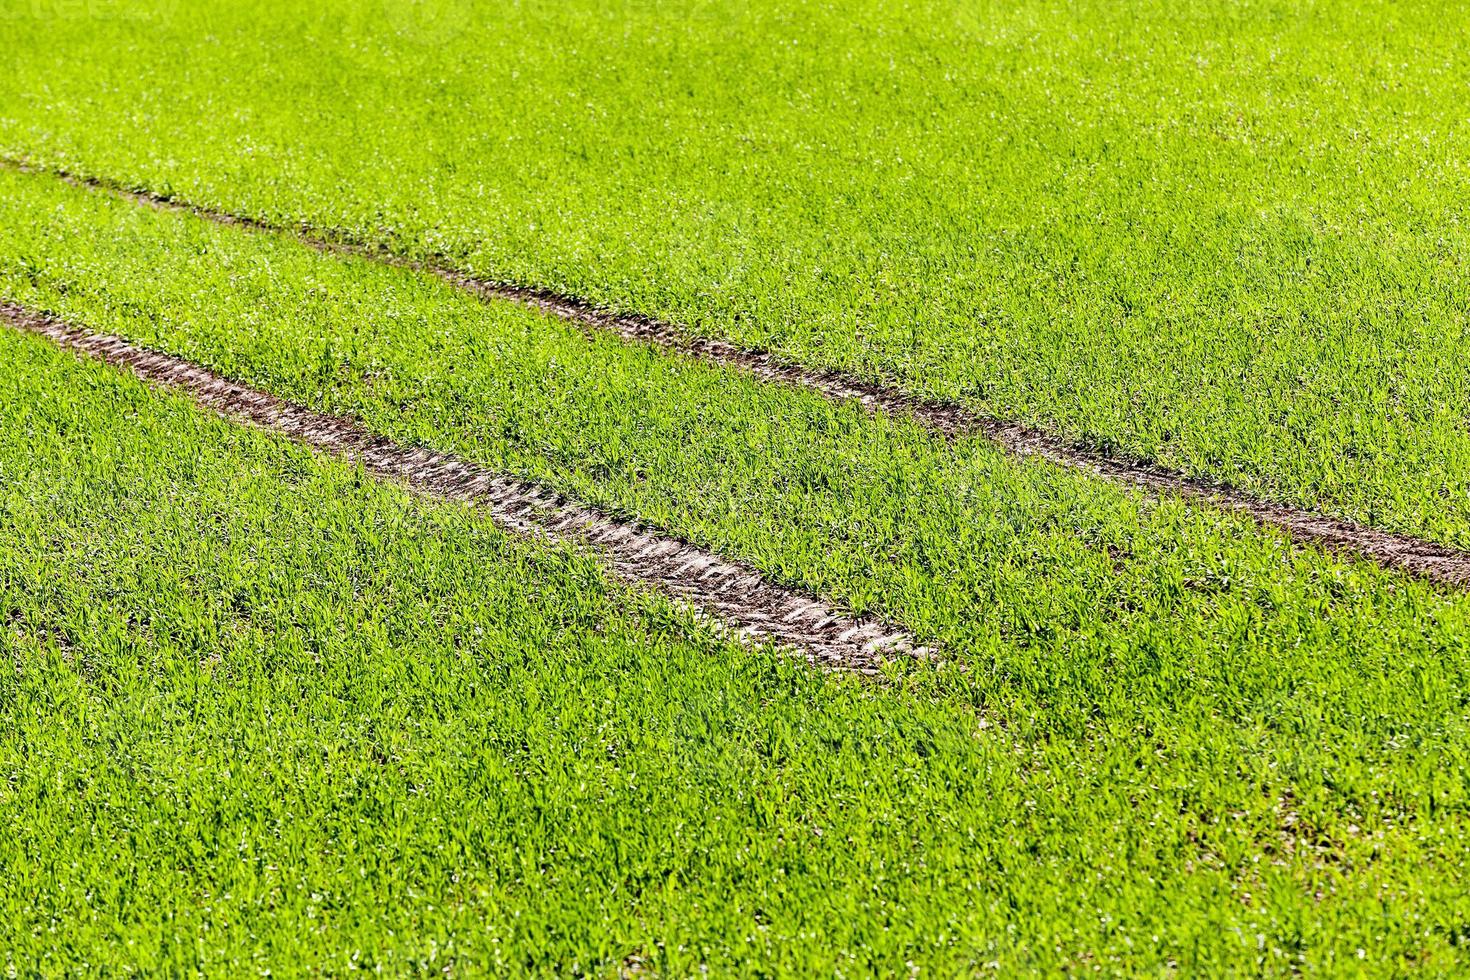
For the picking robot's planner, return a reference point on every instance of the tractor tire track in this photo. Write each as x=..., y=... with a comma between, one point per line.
x=1401, y=552
x=737, y=595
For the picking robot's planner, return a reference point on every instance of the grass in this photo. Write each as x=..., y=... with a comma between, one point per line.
x=1166, y=737
x=262, y=713
x=1178, y=231
x=475, y=754
x=477, y=757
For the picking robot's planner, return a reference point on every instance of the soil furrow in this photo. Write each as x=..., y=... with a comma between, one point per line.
x=1416, y=556
x=737, y=595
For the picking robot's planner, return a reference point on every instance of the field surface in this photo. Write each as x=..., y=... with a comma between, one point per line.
x=268, y=710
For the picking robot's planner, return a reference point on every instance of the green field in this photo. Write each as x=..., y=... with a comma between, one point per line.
x=268, y=713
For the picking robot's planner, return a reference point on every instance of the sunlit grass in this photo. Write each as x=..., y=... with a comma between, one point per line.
x=1163, y=734
x=1227, y=236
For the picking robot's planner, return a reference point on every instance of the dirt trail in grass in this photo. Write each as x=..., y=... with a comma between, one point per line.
x=1426, y=559
x=738, y=595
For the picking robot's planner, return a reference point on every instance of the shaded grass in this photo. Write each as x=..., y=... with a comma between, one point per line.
x=1178, y=231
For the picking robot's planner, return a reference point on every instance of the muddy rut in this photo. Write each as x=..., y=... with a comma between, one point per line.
x=1416, y=556
x=737, y=595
